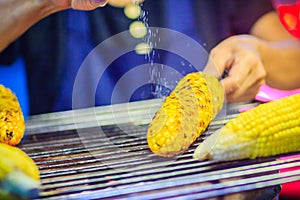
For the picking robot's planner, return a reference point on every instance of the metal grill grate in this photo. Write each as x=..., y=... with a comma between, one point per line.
x=80, y=160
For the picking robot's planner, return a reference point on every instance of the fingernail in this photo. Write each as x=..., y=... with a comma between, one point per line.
x=101, y=3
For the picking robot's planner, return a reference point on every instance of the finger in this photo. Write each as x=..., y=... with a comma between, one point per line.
x=87, y=4
x=249, y=88
x=236, y=76
x=101, y=3
x=255, y=78
x=245, y=71
x=243, y=96
x=241, y=66
x=253, y=81
x=234, y=98
x=230, y=85
x=212, y=69
x=220, y=58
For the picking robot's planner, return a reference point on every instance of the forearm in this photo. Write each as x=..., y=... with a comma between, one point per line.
x=282, y=63
x=279, y=51
x=18, y=15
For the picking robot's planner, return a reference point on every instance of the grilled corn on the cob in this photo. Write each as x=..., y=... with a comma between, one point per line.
x=269, y=129
x=12, y=125
x=19, y=175
x=185, y=114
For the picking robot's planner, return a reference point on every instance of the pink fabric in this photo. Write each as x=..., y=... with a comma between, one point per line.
x=290, y=190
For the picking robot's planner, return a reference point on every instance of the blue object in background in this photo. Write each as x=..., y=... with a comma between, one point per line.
x=14, y=77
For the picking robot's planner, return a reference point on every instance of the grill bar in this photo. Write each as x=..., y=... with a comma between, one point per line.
x=93, y=117
x=152, y=174
x=195, y=189
x=79, y=159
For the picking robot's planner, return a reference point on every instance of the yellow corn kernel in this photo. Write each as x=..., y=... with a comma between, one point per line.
x=185, y=114
x=12, y=125
x=269, y=129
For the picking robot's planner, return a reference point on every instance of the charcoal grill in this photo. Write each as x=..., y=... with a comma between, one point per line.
x=102, y=153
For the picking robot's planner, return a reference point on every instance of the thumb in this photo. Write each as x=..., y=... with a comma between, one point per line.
x=219, y=60
x=230, y=85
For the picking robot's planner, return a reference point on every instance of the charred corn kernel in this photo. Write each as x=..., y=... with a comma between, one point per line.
x=185, y=114
x=12, y=125
x=19, y=175
x=269, y=129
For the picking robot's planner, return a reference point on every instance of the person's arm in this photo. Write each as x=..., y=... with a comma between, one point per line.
x=280, y=52
x=267, y=55
x=16, y=16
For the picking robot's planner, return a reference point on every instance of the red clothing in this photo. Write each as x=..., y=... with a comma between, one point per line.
x=290, y=190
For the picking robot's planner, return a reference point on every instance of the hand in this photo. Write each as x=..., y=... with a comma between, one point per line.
x=239, y=56
x=79, y=4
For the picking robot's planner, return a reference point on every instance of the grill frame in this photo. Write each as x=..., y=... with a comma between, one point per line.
x=102, y=153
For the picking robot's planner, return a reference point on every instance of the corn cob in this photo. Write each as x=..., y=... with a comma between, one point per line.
x=269, y=129
x=12, y=125
x=19, y=175
x=185, y=114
